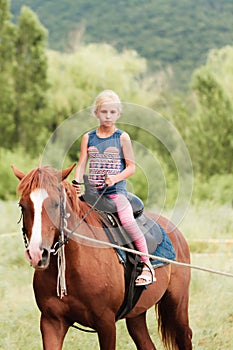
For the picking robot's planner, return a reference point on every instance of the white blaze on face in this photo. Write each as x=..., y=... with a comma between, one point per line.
x=37, y=197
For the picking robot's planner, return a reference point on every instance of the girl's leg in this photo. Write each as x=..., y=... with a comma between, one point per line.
x=129, y=223
x=127, y=220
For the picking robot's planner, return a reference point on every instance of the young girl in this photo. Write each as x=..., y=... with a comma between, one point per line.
x=111, y=162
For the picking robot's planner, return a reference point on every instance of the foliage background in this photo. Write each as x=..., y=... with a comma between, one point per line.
x=175, y=58
x=40, y=88
x=138, y=58
x=167, y=33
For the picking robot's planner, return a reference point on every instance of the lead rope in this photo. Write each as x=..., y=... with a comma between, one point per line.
x=60, y=251
x=61, y=266
x=61, y=259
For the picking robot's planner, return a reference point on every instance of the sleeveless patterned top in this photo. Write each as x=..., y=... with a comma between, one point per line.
x=106, y=157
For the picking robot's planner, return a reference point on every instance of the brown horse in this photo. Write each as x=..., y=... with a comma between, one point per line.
x=93, y=283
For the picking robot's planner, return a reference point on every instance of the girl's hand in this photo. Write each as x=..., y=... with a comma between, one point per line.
x=110, y=180
x=77, y=187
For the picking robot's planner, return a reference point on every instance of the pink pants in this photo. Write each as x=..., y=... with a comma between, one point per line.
x=125, y=213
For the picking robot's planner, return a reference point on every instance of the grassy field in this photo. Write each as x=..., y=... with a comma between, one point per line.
x=211, y=308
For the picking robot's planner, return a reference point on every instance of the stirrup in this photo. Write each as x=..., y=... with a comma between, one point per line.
x=148, y=279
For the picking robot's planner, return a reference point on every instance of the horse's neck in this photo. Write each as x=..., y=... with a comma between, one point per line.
x=83, y=223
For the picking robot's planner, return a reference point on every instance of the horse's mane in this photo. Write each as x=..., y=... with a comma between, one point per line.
x=45, y=177
x=49, y=178
x=81, y=207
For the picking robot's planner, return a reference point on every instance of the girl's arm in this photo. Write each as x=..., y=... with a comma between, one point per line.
x=129, y=161
x=82, y=163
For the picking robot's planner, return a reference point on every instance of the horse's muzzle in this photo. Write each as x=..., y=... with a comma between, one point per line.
x=38, y=259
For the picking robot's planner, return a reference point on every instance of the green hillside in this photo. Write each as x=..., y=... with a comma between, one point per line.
x=167, y=33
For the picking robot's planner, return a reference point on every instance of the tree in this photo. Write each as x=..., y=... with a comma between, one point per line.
x=7, y=54
x=212, y=130
x=220, y=63
x=76, y=78
x=30, y=81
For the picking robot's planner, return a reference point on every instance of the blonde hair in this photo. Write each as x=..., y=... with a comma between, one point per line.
x=106, y=96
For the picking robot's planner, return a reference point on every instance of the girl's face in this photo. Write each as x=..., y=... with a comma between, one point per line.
x=107, y=114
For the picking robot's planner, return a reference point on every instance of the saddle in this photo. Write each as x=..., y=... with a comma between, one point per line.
x=117, y=235
x=108, y=212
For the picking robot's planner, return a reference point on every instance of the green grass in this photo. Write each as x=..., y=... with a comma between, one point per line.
x=10, y=215
x=208, y=221
x=211, y=310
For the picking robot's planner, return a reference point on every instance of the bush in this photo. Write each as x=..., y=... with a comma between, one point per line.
x=8, y=181
x=217, y=189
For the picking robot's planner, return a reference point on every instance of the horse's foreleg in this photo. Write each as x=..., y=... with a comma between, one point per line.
x=106, y=329
x=53, y=333
x=139, y=333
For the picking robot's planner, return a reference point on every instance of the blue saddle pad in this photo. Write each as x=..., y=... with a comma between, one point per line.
x=164, y=250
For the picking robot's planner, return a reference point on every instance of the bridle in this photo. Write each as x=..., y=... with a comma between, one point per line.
x=63, y=223
x=64, y=232
x=58, y=247
x=24, y=232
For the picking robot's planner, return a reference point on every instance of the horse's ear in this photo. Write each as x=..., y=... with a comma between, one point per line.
x=18, y=173
x=66, y=172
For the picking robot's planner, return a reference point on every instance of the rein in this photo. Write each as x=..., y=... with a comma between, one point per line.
x=64, y=236
x=64, y=216
x=60, y=251
x=63, y=221
x=59, y=246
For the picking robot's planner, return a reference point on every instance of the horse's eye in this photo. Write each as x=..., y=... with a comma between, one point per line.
x=56, y=205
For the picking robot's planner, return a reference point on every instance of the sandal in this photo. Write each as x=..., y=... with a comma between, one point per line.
x=148, y=279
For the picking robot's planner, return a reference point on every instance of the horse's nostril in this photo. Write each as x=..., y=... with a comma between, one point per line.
x=45, y=254
x=45, y=258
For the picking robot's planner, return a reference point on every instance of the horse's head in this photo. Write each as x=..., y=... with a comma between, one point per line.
x=41, y=198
